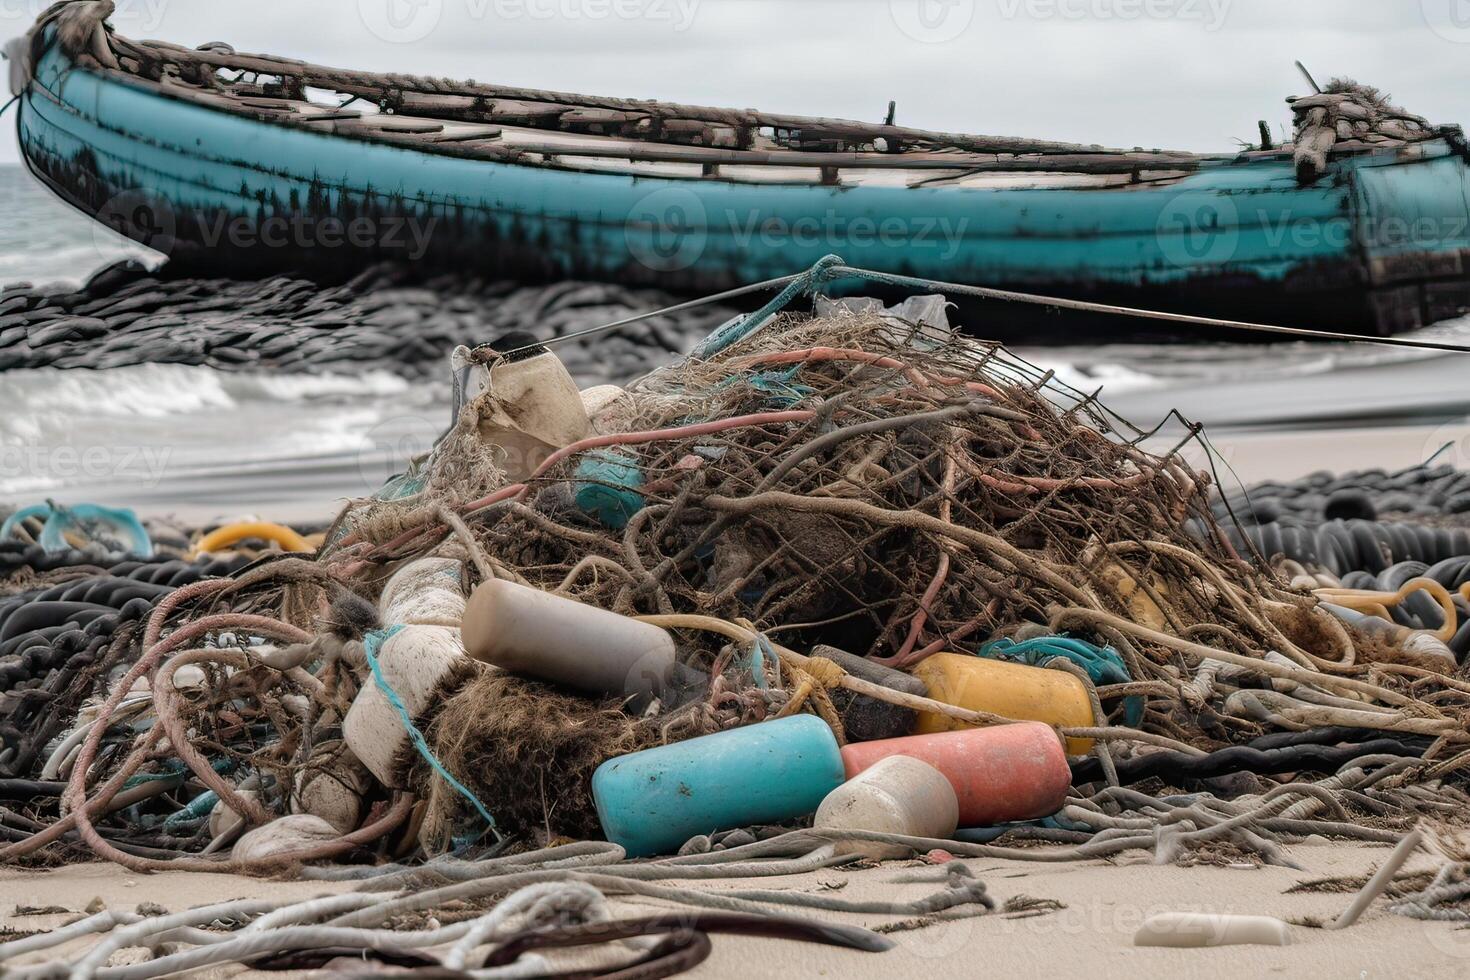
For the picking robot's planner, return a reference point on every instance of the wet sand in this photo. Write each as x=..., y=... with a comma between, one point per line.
x=1092, y=936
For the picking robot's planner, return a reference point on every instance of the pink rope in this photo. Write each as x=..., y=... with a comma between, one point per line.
x=76, y=790
x=642, y=438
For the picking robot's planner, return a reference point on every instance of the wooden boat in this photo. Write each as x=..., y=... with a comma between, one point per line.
x=238, y=163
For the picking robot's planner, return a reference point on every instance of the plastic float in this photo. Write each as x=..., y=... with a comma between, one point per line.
x=651, y=802
x=1000, y=774
x=896, y=795
x=1009, y=690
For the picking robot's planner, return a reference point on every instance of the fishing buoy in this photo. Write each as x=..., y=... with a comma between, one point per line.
x=1009, y=690
x=537, y=634
x=651, y=802
x=999, y=774
x=426, y=592
x=896, y=795
x=332, y=785
x=1196, y=930
x=282, y=836
x=423, y=665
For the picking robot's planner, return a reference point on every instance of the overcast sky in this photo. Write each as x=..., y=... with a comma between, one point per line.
x=1187, y=74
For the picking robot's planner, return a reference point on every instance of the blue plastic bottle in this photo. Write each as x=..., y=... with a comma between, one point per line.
x=651, y=802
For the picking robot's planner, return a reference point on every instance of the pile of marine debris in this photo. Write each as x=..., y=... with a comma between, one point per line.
x=853, y=564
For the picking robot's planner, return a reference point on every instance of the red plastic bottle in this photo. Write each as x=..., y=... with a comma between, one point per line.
x=999, y=774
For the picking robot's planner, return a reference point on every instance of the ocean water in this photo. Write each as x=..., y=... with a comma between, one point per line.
x=43, y=240
x=188, y=440
x=204, y=443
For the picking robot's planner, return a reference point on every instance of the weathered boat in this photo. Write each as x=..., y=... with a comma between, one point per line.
x=240, y=162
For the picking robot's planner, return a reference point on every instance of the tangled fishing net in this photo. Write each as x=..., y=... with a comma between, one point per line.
x=853, y=480
x=897, y=490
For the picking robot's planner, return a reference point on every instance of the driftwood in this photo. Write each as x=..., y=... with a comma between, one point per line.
x=1348, y=117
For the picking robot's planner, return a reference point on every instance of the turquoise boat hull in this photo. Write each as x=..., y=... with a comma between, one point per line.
x=1380, y=244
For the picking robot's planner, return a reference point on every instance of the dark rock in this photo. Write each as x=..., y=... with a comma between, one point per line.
x=68, y=330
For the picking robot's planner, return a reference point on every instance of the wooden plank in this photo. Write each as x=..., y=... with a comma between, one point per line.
x=602, y=117
x=467, y=135
x=847, y=129
x=316, y=117
x=393, y=124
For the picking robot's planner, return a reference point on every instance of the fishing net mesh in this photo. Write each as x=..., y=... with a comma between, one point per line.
x=890, y=489
x=839, y=479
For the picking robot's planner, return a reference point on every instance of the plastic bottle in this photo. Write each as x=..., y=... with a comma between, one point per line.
x=1195, y=930
x=999, y=774
x=529, y=407
x=651, y=802
x=554, y=639
x=896, y=795
x=1010, y=690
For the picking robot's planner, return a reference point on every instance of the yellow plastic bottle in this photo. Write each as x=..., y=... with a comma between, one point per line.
x=1017, y=691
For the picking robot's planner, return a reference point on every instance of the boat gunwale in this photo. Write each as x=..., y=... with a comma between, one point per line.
x=1145, y=168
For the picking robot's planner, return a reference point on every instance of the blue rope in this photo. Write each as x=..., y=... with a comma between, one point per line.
x=741, y=327
x=760, y=650
x=1103, y=664
x=370, y=645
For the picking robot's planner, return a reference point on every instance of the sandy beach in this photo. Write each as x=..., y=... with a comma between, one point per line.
x=1092, y=936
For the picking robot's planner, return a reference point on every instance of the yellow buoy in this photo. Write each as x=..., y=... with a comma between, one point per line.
x=1017, y=691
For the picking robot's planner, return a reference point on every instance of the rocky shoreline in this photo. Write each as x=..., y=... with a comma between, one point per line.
x=384, y=318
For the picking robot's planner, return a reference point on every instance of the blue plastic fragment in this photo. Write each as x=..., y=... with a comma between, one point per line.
x=84, y=520
x=607, y=488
